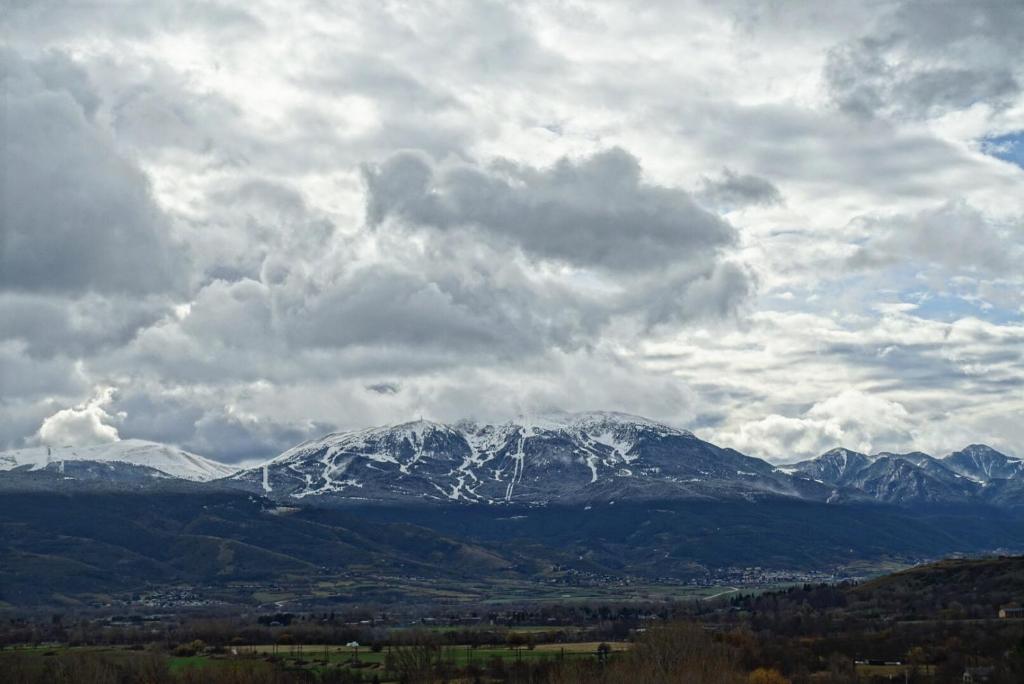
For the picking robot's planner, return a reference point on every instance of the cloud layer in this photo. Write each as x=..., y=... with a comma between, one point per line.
x=233, y=226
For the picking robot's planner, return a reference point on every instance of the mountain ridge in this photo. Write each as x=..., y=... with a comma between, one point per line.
x=598, y=456
x=543, y=459
x=918, y=477
x=165, y=459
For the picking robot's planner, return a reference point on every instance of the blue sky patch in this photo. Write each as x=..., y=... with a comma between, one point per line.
x=1009, y=147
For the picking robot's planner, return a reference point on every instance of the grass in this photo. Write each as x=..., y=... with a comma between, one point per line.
x=496, y=592
x=314, y=656
x=892, y=671
x=179, y=664
x=35, y=658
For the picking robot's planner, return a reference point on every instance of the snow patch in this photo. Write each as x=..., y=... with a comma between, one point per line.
x=167, y=459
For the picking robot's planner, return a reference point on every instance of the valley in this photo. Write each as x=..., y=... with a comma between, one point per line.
x=572, y=505
x=934, y=622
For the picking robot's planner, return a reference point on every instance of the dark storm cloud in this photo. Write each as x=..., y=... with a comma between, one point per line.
x=52, y=325
x=382, y=305
x=715, y=293
x=27, y=377
x=442, y=298
x=928, y=58
x=596, y=212
x=384, y=387
x=733, y=190
x=231, y=438
x=201, y=423
x=160, y=418
x=59, y=73
x=77, y=216
x=863, y=83
x=440, y=307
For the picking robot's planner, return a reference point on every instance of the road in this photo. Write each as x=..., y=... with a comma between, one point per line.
x=730, y=590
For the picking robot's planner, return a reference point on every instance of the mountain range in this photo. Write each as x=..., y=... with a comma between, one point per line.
x=146, y=459
x=558, y=458
x=546, y=503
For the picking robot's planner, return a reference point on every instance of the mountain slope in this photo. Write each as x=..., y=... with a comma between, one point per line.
x=85, y=541
x=834, y=467
x=93, y=544
x=582, y=457
x=895, y=479
x=983, y=464
x=558, y=458
x=977, y=474
x=165, y=460
x=547, y=501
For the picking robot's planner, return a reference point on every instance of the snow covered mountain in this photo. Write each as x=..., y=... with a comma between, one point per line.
x=893, y=479
x=983, y=464
x=102, y=460
x=978, y=473
x=580, y=457
x=833, y=467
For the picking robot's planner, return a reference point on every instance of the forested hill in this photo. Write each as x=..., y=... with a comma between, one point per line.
x=950, y=589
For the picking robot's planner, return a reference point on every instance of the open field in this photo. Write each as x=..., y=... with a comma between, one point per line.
x=458, y=654
x=894, y=672
x=493, y=593
x=314, y=657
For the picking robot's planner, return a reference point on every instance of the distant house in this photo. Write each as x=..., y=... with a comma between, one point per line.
x=1011, y=612
x=974, y=675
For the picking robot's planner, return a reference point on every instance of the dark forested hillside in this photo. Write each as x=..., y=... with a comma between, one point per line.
x=933, y=623
x=92, y=543
x=955, y=588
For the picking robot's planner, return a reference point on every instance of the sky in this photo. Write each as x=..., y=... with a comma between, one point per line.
x=787, y=226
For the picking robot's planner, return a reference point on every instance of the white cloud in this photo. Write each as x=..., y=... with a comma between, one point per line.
x=84, y=425
x=852, y=419
x=772, y=223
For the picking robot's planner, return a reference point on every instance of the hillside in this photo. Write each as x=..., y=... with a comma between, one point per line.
x=948, y=588
x=161, y=459
x=558, y=458
x=91, y=542
x=88, y=545
x=603, y=457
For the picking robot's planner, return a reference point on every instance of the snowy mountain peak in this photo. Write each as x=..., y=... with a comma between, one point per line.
x=532, y=459
x=915, y=457
x=560, y=420
x=843, y=456
x=910, y=477
x=833, y=467
x=162, y=457
x=983, y=463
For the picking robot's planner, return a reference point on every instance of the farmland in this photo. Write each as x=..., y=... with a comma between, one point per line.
x=316, y=659
x=931, y=623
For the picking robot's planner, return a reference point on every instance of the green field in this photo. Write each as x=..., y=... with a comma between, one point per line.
x=459, y=654
x=306, y=656
x=496, y=593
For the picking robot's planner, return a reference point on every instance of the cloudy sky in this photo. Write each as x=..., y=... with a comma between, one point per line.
x=786, y=226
